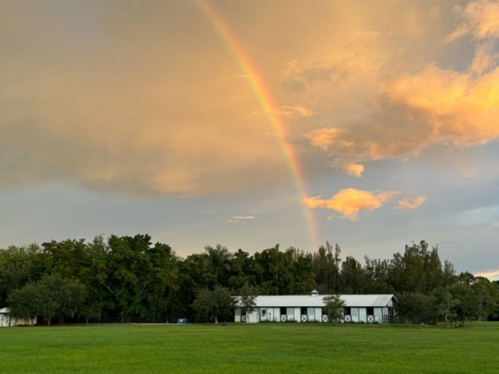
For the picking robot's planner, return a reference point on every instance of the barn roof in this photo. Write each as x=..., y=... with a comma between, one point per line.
x=268, y=301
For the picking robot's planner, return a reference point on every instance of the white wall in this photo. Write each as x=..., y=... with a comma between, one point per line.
x=297, y=315
x=5, y=320
x=313, y=314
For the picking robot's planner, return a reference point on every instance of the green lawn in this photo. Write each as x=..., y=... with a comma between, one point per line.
x=263, y=348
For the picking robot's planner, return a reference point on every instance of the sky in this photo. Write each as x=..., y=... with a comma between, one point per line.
x=370, y=124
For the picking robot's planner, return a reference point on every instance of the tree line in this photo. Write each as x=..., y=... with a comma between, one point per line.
x=130, y=278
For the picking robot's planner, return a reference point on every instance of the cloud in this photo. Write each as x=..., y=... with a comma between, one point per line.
x=412, y=203
x=355, y=170
x=349, y=202
x=354, y=58
x=239, y=219
x=126, y=98
x=288, y=112
x=110, y=97
x=324, y=138
x=454, y=107
x=416, y=111
x=493, y=274
x=296, y=111
x=480, y=19
x=485, y=58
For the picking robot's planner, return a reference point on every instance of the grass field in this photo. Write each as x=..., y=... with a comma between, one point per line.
x=263, y=348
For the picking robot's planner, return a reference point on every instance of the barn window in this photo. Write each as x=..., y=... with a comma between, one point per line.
x=283, y=311
x=370, y=311
x=303, y=311
x=264, y=311
x=347, y=311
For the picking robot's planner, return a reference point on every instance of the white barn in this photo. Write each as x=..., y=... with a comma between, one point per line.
x=6, y=319
x=308, y=308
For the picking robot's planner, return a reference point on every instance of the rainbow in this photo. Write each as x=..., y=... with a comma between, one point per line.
x=268, y=105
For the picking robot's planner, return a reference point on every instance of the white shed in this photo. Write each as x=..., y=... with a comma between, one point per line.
x=6, y=319
x=308, y=308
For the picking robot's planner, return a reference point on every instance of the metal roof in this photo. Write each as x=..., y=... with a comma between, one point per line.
x=269, y=301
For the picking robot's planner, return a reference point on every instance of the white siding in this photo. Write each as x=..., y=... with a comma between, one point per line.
x=303, y=308
x=296, y=316
x=263, y=314
x=5, y=320
x=276, y=315
x=355, y=314
x=318, y=314
x=310, y=314
x=252, y=317
x=362, y=315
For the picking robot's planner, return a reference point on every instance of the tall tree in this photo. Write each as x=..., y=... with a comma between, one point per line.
x=218, y=263
x=352, y=276
x=377, y=276
x=416, y=307
x=333, y=308
x=50, y=297
x=214, y=305
x=136, y=274
x=19, y=266
x=247, y=299
x=467, y=305
x=326, y=265
x=243, y=271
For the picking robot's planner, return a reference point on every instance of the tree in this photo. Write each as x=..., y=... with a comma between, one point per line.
x=487, y=295
x=137, y=276
x=69, y=258
x=242, y=270
x=353, y=277
x=333, y=308
x=273, y=271
x=326, y=265
x=376, y=272
x=19, y=266
x=247, y=299
x=301, y=271
x=280, y=273
x=416, y=307
x=446, y=307
x=50, y=297
x=214, y=305
x=467, y=304
x=218, y=263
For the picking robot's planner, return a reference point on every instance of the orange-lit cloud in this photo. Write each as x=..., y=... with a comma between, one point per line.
x=116, y=107
x=324, y=138
x=454, y=107
x=349, y=202
x=296, y=111
x=485, y=57
x=479, y=18
x=353, y=169
x=493, y=274
x=412, y=203
x=415, y=111
x=129, y=99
